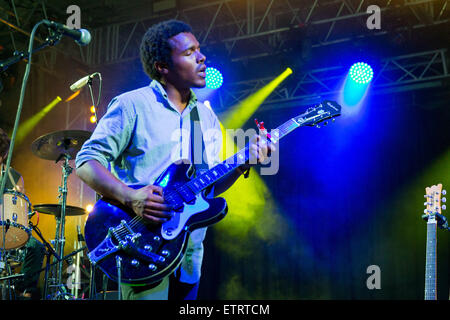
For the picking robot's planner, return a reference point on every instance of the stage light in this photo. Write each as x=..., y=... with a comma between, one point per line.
x=361, y=72
x=214, y=78
x=356, y=85
x=73, y=96
x=89, y=208
x=28, y=125
x=93, y=118
x=246, y=108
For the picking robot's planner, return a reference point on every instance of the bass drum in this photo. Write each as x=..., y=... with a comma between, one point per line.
x=14, y=222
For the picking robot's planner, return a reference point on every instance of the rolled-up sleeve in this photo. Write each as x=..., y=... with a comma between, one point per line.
x=111, y=136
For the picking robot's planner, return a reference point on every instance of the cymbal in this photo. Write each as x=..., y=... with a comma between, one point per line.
x=55, y=209
x=52, y=145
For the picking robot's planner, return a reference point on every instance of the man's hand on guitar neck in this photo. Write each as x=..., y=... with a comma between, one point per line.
x=260, y=149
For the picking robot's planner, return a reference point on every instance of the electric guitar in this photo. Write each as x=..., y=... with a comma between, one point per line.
x=434, y=218
x=130, y=250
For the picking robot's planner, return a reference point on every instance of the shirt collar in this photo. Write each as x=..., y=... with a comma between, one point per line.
x=157, y=86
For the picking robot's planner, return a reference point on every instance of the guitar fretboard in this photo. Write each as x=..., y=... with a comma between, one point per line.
x=430, y=265
x=222, y=169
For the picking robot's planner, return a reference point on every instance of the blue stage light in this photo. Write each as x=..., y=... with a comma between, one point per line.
x=214, y=78
x=361, y=72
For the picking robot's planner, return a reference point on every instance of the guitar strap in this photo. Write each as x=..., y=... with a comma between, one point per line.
x=198, y=154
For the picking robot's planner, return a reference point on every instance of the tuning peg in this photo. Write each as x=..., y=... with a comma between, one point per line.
x=317, y=126
x=444, y=199
x=444, y=192
x=325, y=123
x=444, y=207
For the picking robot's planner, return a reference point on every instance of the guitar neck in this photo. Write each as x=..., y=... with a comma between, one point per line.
x=222, y=169
x=430, y=265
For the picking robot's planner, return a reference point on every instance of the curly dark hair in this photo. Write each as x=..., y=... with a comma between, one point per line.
x=4, y=143
x=155, y=46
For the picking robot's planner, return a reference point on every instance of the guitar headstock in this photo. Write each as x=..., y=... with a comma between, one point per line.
x=434, y=200
x=320, y=113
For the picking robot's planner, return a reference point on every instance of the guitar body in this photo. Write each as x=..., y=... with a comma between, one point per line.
x=148, y=253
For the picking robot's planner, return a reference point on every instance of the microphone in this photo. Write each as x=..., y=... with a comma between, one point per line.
x=82, y=82
x=81, y=36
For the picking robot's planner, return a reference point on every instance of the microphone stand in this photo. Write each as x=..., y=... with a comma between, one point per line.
x=20, y=55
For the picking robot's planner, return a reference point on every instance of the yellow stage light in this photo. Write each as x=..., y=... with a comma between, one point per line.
x=73, y=96
x=244, y=110
x=256, y=213
x=93, y=119
x=26, y=127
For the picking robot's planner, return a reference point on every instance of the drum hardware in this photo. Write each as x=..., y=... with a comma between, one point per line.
x=47, y=267
x=49, y=252
x=53, y=146
x=55, y=209
x=13, y=276
x=60, y=146
x=7, y=279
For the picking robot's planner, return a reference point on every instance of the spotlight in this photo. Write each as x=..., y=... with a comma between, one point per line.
x=93, y=118
x=361, y=72
x=214, y=78
x=89, y=208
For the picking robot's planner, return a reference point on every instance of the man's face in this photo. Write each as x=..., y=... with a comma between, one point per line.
x=188, y=63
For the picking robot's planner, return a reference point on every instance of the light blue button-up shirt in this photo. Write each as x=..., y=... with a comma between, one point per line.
x=140, y=135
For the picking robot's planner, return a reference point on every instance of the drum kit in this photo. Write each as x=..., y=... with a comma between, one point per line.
x=16, y=227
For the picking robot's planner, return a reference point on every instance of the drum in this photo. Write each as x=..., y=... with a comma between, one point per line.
x=14, y=222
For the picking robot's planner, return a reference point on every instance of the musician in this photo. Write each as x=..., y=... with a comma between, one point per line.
x=27, y=286
x=139, y=136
